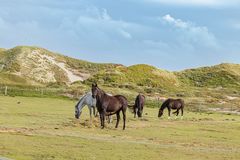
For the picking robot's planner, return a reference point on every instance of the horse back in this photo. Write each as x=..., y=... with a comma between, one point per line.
x=112, y=103
x=139, y=101
x=112, y=100
x=122, y=99
x=174, y=103
x=181, y=101
x=178, y=103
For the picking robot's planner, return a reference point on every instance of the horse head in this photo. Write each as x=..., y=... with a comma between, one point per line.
x=160, y=113
x=139, y=113
x=94, y=90
x=77, y=112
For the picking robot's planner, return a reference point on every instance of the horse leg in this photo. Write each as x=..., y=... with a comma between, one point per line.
x=118, y=118
x=100, y=118
x=182, y=113
x=90, y=112
x=135, y=112
x=124, y=117
x=94, y=111
x=109, y=119
x=97, y=112
x=103, y=119
x=169, y=113
x=176, y=112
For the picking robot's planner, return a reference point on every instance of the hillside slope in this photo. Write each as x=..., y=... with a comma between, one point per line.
x=222, y=75
x=40, y=66
x=140, y=75
x=24, y=65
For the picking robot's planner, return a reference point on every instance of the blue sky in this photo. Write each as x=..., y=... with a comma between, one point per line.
x=169, y=34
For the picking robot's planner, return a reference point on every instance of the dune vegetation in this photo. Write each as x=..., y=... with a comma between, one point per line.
x=34, y=71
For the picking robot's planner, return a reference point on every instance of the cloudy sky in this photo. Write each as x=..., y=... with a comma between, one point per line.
x=169, y=34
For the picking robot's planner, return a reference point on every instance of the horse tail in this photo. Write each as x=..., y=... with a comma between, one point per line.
x=139, y=101
x=131, y=107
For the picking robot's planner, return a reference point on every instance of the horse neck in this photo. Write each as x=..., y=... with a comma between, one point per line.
x=89, y=100
x=164, y=105
x=100, y=96
x=81, y=102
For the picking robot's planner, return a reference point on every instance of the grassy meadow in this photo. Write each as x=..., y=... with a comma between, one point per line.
x=45, y=128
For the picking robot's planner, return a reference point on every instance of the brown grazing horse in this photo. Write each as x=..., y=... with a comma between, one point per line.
x=109, y=105
x=177, y=104
x=138, y=106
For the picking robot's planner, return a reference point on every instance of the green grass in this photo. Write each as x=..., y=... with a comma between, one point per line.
x=223, y=75
x=11, y=79
x=45, y=128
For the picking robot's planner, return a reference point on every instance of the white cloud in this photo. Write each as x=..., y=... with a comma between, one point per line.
x=105, y=15
x=175, y=22
x=125, y=34
x=196, y=2
x=95, y=13
x=188, y=32
x=97, y=23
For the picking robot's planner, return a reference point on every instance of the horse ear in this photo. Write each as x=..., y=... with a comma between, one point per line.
x=94, y=85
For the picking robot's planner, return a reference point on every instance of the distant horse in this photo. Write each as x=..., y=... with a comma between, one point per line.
x=177, y=104
x=88, y=100
x=109, y=105
x=138, y=106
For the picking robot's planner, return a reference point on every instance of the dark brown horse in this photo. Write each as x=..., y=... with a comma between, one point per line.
x=109, y=105
x=138, y=106
x=177, y=104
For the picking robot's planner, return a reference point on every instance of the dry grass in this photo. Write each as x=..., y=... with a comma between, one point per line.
x=45, y=128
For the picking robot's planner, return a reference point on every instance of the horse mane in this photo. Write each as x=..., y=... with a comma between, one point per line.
x=80, y=100
x=142, y=95
x=164, y=105
x=102, y=91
